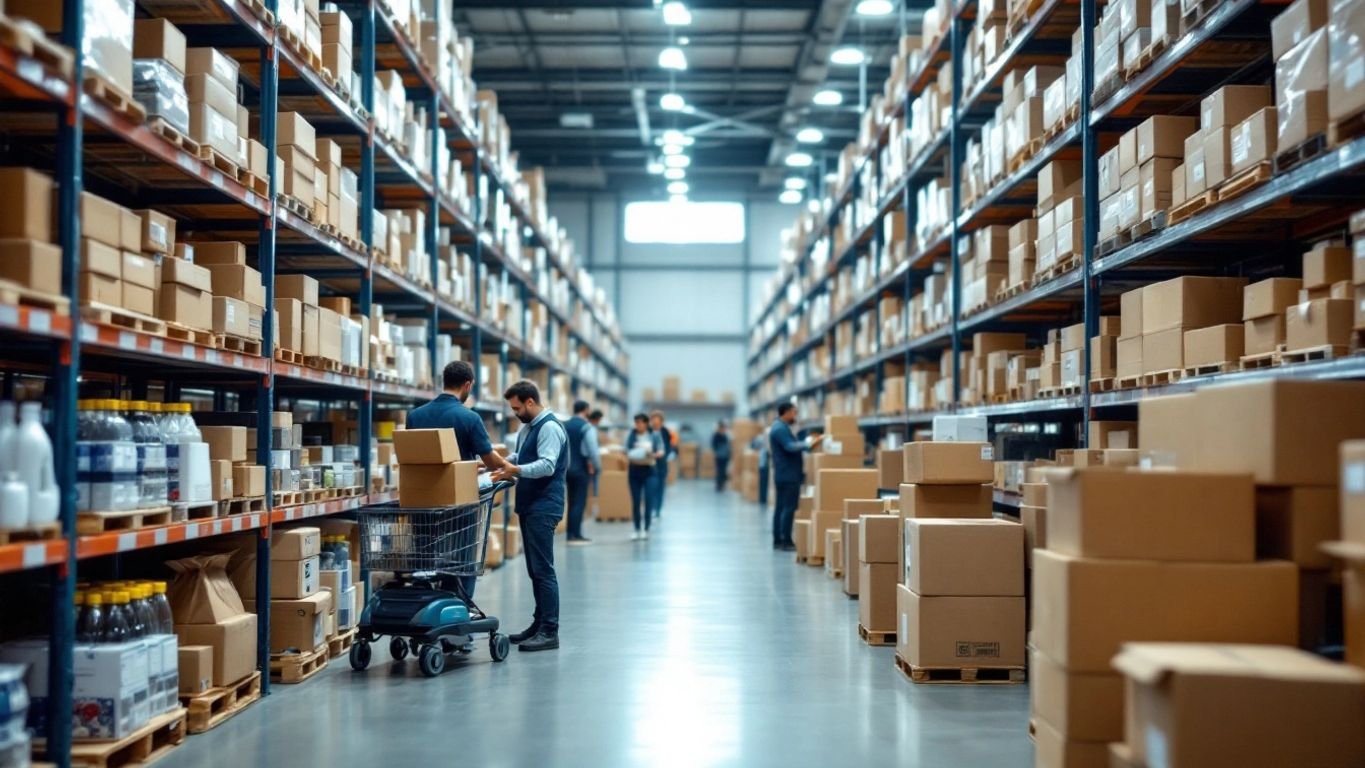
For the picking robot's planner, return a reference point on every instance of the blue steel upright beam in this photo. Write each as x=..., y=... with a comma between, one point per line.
x=1090, y=195
x=481, y=190
x=367, y=206
x=433, y=228
x=957, y=138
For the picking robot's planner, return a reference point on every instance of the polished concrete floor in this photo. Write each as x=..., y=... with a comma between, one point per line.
x=699, y=647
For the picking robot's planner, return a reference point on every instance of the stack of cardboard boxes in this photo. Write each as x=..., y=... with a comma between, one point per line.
x=878, y=545
x=302, y=613
x=27, y=254
x=1324, y=314
x=1167, y=311
x=159, y=72
x=186, y=296
x=297, y=147
x=216, y=119
x=217, y=633
x=431, y=473
x=238, y=293
x=1136, y=176
x=337, y=41
x=946, y=480
x=613, y=486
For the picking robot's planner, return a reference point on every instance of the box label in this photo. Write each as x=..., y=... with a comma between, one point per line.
x=987, y=453
x=1353, y=478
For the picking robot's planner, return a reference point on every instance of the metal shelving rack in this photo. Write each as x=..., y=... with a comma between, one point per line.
x=64, y=348
x=1324, y=190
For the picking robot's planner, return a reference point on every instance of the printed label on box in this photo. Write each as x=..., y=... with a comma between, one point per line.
x=971, y=649
x=987, y=453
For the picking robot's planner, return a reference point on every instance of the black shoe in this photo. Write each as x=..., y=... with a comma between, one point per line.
x=526, y=634
x=789, y=547
x=541, y=642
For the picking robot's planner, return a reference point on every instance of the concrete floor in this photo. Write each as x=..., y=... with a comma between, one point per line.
x=700, y=647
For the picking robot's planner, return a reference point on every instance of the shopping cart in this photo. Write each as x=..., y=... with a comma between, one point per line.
x=426, y=609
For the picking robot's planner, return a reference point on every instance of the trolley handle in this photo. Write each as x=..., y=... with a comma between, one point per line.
x=495, y=489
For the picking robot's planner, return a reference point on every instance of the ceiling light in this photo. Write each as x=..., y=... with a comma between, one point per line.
x=810, y=135
x=655, y=167
x=796, y=182
x=875, y=7
x=675, y=174
x=677, y=199
x=677, y=188
x=799, y=160
x=672, y=102
x=672, y=149
x=813, y=205
x=675, y=136
x=673, y=57
x=676, y=14
x=847, y=56
x=677, y=161
x=789, y=197
x=576, y=120
x=828, y=98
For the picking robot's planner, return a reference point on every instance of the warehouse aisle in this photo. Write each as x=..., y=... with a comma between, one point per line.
x=700, y=647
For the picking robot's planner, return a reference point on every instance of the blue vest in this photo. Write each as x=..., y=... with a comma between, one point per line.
x=578, y=465
x=541, y=494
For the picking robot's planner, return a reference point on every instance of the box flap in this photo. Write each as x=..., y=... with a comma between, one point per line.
x=201, y=592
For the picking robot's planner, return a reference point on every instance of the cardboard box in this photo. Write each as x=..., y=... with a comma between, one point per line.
x=310, y=330
x=877, y=596
x=301, y=287
x=964, y=557
x=1293, y=521
x=426, y=446
x=945, y=501
x=879, y=539
x=856, y=508
x=1353, y=491
x=1301, y=83
x=1164, y=136
x=221, y=252
x=1295, y=23
x=438, y=485
x=294, y=579
x=1262, y=335
x=238, y=281
x=821, y=522
x=851, y=540
x=1163, y=351
x=297, y=543
x=231, y=317
x=1269, y=297
x=130, y=235
x=1232, y=104
x=1254, y=140
x=1081, y=706
x=1191, y=302
x=1325, y=265
x=1195, y=172
x=1317, y=323
x=1345, y=97
x=213, y=62
x=234, y=645
x=1053, y=748
x=26, y=196
x=1155, y=180
x=38, y=265
x=928, y=463
x=95, y=288
x=214, y=128
x=299, y=625
x=890, y=467
x=1276, y=706
x=194, y=665
x=1085, y=609
x=1152, y=515
x=950, y=428
x=289, y=324
x=189, y=307
x=1214, y=345
x=101, y=220
x=220, y=474
x=159, y=39
x=952, y=632
x=834, y=486
x=205, y=89
x=225, y=443
x=293, y=130
x=186, y=273
x=248, y=480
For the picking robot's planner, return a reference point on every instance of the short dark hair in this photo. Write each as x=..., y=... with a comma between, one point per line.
x=457, y=374
x=656, y=412
x=523, y=390
x=784, y=408
x=642, y=417
x=580, y=406
x=596, y=414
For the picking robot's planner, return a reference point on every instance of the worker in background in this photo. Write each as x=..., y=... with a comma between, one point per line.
x=539, y=465
x=585, y=461
x=448, y=411
x=644, y=449
x=788, y=473
x=595, y=419
x=656, y=423
x=760, y=444
x=720, y=448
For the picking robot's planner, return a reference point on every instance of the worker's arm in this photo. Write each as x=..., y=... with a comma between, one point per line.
x=549, y=443
x=483, y=447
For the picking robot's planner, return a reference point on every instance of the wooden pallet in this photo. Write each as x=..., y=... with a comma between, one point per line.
x=873, y=637
x=258, y=184
x=1190, y=207
x=1325, y=352
x=29, y=40
x=151, y=742
x=1263, y=360
x=287, y=498
x=1053, y=392
x=122, y=318
x=220, y=162
x=288, y=356
x=38, y=533
x=1194, y=15
x=1144, y=59
x=14, y=293
x=131, y=520
x=1300, y=154
x=1210, y=369
x=242, y=506
x=238, y=344
x=1128, y=382
x=1105, y=384
x=1245, y=181
x=213, y=707
x=294, y=206
x=1158, y=378
x=200, y=511
x=105, y=90
x=168, y=132
x=322, y=364
x=341, y=644
x=1344, y=130
x=1010, y=291
x=961, y=676
x=815, y=561
x=191, y=335
x=297, y=667
x=1057, y=269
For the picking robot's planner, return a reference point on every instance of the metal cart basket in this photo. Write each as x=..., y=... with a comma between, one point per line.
x=446, y=540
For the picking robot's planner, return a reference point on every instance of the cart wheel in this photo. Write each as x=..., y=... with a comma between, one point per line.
x=431, y=660
x=398, y=648
x=360, y=656
x=499, y=646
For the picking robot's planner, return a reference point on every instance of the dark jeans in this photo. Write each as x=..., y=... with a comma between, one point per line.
x=641, y=478
x=784, y=514
x=762, y=486
x=722, y=468
x=577, y=487
x=538, y=538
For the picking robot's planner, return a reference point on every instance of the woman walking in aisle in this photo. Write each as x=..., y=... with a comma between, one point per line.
x=644, y=448
x=720, y=448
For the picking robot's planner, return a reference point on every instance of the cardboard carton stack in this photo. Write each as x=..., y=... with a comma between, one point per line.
x=107, y=43
x=431, y=473
x=1171, y=311
x=833, y=487
x=302, y=613
x=216, y=119
x=159, y=72
x=27, y=254
x=1324, y=315
x=878, y=542
x=209, y=616
x=1298, y=39
x=238, y=293
x=297, y=147
x=1141, y=556
x=1346, y=56
x=337, y=40
x=946, y=479
x=961, y=605
x=1351, y=548
x=186, y=296
x=1208, y=151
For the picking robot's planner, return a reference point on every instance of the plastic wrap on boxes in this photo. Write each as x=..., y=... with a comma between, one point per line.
x=108, y=42
x=160, y=89
x=1300, y=71
x=1346, y=52
x=1107, y=57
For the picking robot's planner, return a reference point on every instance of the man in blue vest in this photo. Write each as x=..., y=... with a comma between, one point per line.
x=584, y=462
x=539, y=464
x=788, y=473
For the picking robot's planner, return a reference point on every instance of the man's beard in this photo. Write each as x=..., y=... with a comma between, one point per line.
x=525, y=418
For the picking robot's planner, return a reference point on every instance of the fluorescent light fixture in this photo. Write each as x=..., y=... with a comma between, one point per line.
x=813, y=205
x=677, y=199
x=796, y=182
x=789, y=197
x=673, y=57
x=673, y=149
x=677, y=188
x=675, y=136
x=576, y=120
x=847, y=56
x=672, y=102
x=875, y=7
x=655, y=167
x=675, y=174
x=677, y=161
x=676, y=14
x=799, y=160
x=828, y=98
x=810, y=135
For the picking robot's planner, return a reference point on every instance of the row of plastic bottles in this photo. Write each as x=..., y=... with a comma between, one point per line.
x=127, y=453
x=28, y=484
x=119, y=611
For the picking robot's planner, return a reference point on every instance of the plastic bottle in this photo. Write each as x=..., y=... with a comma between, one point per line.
x=117, y=625
x=143, y=610
x=8, y=410
x=31, y=449
x=165, y=622
x=151, y=457
x=106, y=458
x=90, y=627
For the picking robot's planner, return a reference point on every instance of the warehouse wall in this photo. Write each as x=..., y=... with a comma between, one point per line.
x=684, y=309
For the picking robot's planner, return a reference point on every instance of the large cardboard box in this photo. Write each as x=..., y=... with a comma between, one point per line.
x=231, y=317
x=879, y=539
x=1275, y=706
x=293, y=579
x=964, y=557
x=234, y=645
x=296, y=543
x=945, y=500
x=26, y=197
x=38, y=265
x=877, y=596
x=1353, y=491
x=1156, y=515
x=194, y=665
x=225, y=443
x=299, y=625
x=1263, y=334
x=856, y=508
x=890, y=467
x=833, y=486
x=1293, y=521
x=301, y=287
x=1319, y=323
x=820, y=522
x=190, y=307
x=438, y=485
x=930, y=463
x=1270, y=297
x=426, y=446
x=1053, y=749
x=289, y=324
x=1214, y=345
x=1086, y=706
x=1084, y=609
x=1191, y=302
x=955, y=632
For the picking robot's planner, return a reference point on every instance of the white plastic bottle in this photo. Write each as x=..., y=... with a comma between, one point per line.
x=32, y=453
x=7, y=428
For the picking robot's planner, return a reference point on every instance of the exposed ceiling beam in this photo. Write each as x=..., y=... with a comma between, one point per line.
x=492, y=40
x=635, y=5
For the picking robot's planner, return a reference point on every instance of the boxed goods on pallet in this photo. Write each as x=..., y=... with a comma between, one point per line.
x=211, y=85
x=878, y=545
x=159, y=72
x=208, y=611
x=107, y=43
x=27, y=255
